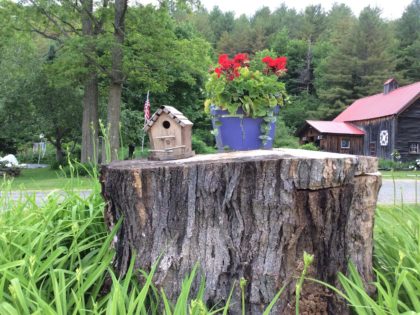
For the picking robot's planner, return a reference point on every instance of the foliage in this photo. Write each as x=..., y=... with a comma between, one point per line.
x=253, y=86
x=57, y=259
x=309, y=146
x=80, y=169
x=334, y=58
x=132, y=123
x=200, y=147
x=397, y=267
x=284, y=135
x=408, y=34
x=47, y=179
x=358, y=65
x=394, y=165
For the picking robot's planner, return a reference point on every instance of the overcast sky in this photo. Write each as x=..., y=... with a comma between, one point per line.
x=391, y=9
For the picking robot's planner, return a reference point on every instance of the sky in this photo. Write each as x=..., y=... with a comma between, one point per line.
x=391, y=9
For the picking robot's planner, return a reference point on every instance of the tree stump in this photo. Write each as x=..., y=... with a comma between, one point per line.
x=248, y=215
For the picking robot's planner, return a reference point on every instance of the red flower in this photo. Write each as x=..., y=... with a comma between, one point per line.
x=278, y=65
x=267, y=59
x=281, y=63
x=241, y=59
x=236, y=72
x=218, y=71
x=225, y=62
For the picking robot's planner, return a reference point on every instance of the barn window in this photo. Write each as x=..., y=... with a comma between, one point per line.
x=413, y=148
x=345, y=143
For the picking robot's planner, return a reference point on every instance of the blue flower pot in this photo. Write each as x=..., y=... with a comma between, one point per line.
x=238, y=133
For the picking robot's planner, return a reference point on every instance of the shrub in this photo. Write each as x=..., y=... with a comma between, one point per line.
x=309, y=146
x=200, y=147
x=284, y=136
x=80, y=169
x=395, y=165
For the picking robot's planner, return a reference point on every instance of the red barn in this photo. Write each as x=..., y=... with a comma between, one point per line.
x=376, y=125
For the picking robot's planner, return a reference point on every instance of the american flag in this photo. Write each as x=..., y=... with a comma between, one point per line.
x=147, y=109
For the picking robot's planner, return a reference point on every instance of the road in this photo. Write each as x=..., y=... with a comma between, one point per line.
x=39, y=196
x=404, y=188
x=404, y=191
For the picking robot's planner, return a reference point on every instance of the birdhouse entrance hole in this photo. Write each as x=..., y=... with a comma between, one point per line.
x=166, y=124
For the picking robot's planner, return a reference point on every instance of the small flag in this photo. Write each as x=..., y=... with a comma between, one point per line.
x=147, y=109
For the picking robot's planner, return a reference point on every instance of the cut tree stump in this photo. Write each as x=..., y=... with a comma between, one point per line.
x=248, y=215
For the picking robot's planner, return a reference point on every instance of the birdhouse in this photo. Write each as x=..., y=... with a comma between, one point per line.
x=170, y=135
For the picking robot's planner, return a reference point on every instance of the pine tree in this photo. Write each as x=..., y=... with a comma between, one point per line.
x=408, y=34
x=359, y=65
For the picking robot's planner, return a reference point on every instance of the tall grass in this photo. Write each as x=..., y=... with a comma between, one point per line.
x=57, y=259
x=397, y=266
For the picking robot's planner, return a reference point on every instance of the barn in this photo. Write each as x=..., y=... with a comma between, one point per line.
x=376, y=125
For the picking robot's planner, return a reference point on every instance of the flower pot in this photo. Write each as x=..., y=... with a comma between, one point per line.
x=238, y=132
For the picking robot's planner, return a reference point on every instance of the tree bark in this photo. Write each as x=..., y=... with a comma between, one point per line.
x=90, y=122
x=131, y=150
x=117, y=78
x=247, y=215
x=59, y=154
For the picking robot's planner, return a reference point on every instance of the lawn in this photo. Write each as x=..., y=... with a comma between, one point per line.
x=401, y=174
x=47, y=179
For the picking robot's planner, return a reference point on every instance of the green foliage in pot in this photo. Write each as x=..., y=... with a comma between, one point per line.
x=253, y=85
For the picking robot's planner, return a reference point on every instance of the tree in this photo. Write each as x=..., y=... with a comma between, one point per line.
x=359, y=64
x=408, y=34
x=221, y=22
x=38, y=104
x=117, y=78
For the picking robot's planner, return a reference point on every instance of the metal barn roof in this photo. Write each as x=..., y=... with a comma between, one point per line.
x=335, y=127
x=381, y=105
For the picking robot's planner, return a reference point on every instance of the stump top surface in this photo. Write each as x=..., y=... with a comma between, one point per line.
x=366, y=164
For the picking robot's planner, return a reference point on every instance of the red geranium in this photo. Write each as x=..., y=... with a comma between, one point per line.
x=229, y=67
x=241, y=59
x=277, y=66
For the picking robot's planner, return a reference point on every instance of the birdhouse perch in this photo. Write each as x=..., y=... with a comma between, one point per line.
x=169, y=134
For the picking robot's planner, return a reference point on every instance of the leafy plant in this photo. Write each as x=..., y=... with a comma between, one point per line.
x=253, y=87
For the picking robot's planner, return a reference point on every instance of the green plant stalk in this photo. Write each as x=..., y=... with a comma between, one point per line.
x=242, y=284
x=307, y=261
x=394, y=186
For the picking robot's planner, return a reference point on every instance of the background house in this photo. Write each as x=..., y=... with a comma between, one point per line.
x=389, y=121
x=333, y=136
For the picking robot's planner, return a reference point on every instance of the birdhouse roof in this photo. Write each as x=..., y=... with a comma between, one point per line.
x=172, y=112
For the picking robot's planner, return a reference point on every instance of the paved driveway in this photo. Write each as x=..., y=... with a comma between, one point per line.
x=39, y=196
x=405, y=190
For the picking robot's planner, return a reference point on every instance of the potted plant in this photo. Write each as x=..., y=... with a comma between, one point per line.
x=243, y=98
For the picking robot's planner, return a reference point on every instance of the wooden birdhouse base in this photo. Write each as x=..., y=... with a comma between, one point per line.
x=168, y=155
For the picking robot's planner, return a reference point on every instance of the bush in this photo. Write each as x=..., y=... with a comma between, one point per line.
x=200, y=147
x=80, y=169
x=284, y=136
x=309, y=146
x=395, y=165
x=56, y=165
